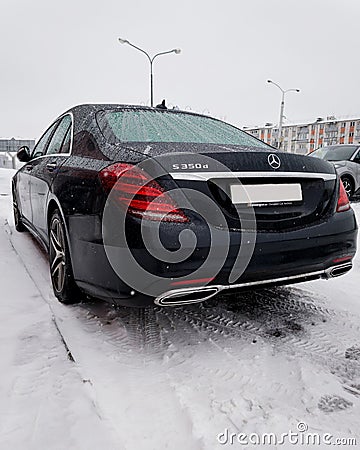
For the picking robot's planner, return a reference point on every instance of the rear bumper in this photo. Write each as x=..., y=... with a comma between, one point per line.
x=278, y=258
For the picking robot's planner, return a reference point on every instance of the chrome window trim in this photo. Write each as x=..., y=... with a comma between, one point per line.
x=48, y=156
x=205, y=176
x=357, y=151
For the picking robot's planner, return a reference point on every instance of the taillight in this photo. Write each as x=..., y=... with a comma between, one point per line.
x=343, y=203
x=141, y=195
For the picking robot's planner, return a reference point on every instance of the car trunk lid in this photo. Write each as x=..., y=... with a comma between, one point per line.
x=217, y=170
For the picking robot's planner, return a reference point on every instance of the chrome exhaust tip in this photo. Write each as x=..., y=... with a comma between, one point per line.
x=186, y=296
x=339, y=270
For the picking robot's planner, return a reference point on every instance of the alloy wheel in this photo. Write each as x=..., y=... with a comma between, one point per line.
x=57, y=254
x=347, y=186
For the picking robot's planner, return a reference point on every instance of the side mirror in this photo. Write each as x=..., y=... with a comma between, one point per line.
x=23, y=154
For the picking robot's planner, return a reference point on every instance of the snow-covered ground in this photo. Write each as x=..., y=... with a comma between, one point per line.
x=91, y=376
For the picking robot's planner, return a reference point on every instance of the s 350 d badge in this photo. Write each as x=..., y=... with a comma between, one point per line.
x=190, y=166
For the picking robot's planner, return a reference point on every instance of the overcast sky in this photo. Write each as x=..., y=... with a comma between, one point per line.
x=55, y=54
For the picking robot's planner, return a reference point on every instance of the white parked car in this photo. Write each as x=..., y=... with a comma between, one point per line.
x=346, y=158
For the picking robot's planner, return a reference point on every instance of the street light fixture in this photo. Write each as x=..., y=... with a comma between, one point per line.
x=151, y=61
x=283, y=92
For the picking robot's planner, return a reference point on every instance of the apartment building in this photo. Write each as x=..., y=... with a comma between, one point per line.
x=13, y=145
x=8, y=149
x=306, y=137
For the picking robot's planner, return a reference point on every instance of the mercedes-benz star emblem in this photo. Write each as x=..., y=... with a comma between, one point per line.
x=274, y=161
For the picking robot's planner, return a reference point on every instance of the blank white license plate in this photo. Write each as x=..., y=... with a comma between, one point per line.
x=265, y=193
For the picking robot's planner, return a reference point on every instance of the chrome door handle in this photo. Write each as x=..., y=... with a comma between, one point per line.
x=51, y=166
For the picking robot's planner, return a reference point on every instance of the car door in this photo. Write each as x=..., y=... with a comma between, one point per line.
x=356, y=166
x=44, y=172
x=24, y=175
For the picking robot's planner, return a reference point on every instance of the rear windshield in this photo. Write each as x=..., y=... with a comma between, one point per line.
x=169, y=126
x=338, y=153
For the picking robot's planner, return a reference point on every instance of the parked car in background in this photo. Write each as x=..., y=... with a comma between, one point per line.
x=176, y=181
x=346, y=159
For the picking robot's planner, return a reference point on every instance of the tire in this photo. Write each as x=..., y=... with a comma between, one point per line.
x=61, y=273
x=19, y=226
x=348, y=185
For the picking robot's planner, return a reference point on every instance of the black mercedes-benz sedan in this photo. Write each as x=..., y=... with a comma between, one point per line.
x=140, y=206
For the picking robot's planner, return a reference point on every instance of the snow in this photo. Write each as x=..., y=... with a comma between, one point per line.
x=44, y=401
x=91, y=376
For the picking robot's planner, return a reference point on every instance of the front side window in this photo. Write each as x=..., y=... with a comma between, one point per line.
x=41, y=146
x=59, y=136
x=130, y=125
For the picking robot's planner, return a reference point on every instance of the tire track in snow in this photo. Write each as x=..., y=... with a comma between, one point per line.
x=322, y=338
x=188, y=354
x=314, y=329
x=245, y=388
x=227, y=388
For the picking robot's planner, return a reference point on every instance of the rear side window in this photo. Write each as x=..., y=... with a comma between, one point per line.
x=337, y=153
x=131, y=125
x=65, y=148
x=59, y=136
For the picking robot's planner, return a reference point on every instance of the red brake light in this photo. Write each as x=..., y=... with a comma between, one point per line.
x=141, y=195
x=343, y=203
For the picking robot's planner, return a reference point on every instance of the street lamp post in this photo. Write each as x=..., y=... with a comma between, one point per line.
x=283, y=92
x=151, y=61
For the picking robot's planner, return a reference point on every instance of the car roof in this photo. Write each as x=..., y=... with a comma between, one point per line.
x=115, y=106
